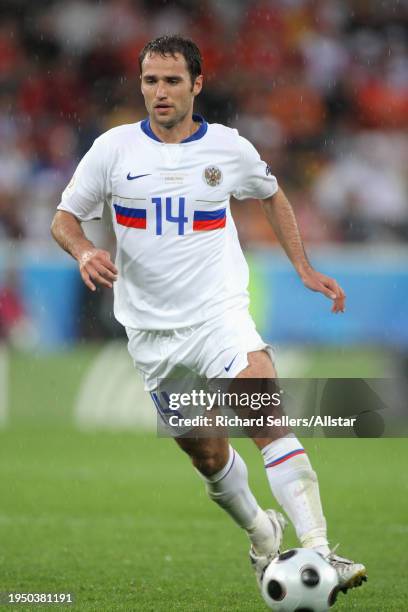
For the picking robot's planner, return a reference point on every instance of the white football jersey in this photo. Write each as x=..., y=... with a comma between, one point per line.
x=178, y=254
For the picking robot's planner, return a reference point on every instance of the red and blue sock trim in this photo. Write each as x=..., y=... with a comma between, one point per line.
x=297, y=451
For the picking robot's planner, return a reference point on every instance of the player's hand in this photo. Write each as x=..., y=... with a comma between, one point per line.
x=95, y=266
x=328, y=286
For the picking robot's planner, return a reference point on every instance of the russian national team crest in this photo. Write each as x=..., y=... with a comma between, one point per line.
x=212, y=176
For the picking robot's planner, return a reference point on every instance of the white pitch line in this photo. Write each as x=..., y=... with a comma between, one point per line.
x=111, y=395
x=291, y=362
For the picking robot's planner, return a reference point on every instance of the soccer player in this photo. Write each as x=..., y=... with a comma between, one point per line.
x=180, y=279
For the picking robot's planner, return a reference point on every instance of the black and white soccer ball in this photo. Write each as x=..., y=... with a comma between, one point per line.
x=300, y=580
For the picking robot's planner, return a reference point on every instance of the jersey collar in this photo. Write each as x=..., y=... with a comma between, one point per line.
x=145, y=125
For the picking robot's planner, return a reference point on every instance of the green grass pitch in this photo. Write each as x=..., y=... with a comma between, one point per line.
x=122, y=521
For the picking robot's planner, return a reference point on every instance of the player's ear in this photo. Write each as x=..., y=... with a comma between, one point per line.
x=198, y=85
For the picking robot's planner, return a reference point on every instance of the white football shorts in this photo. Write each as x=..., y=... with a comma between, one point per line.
x=216, y=349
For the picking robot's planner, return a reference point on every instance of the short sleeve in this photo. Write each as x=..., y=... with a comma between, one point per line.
x=85, y=195
x=255, y=178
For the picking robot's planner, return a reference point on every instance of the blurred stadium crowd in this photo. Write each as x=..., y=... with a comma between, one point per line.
x=319, y=86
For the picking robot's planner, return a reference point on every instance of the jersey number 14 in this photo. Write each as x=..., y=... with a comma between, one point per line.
x=178, y=218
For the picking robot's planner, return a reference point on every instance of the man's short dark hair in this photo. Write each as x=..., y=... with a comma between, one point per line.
x=170, y=45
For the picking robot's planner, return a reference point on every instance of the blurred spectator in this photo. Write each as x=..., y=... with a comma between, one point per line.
x=78, y=24
x=319, y=86
x=364, y=192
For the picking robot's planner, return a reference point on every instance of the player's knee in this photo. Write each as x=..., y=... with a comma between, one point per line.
x=260, y=365
x=210, y=461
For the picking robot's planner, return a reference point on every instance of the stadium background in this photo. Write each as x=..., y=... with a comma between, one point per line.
x=320, y=87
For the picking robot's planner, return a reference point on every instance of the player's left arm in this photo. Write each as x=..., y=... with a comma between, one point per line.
x=281, y=217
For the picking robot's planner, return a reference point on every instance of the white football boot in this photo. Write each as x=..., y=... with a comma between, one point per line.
x=350, y=574
x=261, y=562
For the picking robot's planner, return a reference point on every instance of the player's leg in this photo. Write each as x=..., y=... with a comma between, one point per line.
x=291, y=477
x=226, y=477
x=294, y=483
x=221, y=467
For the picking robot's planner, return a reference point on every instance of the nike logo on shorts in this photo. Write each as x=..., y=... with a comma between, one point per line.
x=228, y=367
x=132, y=178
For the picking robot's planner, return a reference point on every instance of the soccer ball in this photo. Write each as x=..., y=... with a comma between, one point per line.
x=299, y=580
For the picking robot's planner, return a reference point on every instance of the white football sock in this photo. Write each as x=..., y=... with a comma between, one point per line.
x=230, y=490
x=294, y=484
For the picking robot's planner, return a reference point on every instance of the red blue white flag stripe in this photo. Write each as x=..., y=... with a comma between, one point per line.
x=130, y=217
x=209, y=220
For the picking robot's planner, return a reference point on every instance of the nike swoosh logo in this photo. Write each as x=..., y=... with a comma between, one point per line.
x=228, y=367
x=132, y=178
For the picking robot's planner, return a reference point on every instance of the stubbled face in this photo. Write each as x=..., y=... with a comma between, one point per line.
x=167, y=88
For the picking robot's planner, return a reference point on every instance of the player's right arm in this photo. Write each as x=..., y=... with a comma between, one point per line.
x=83, y=200
x=95, y=265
